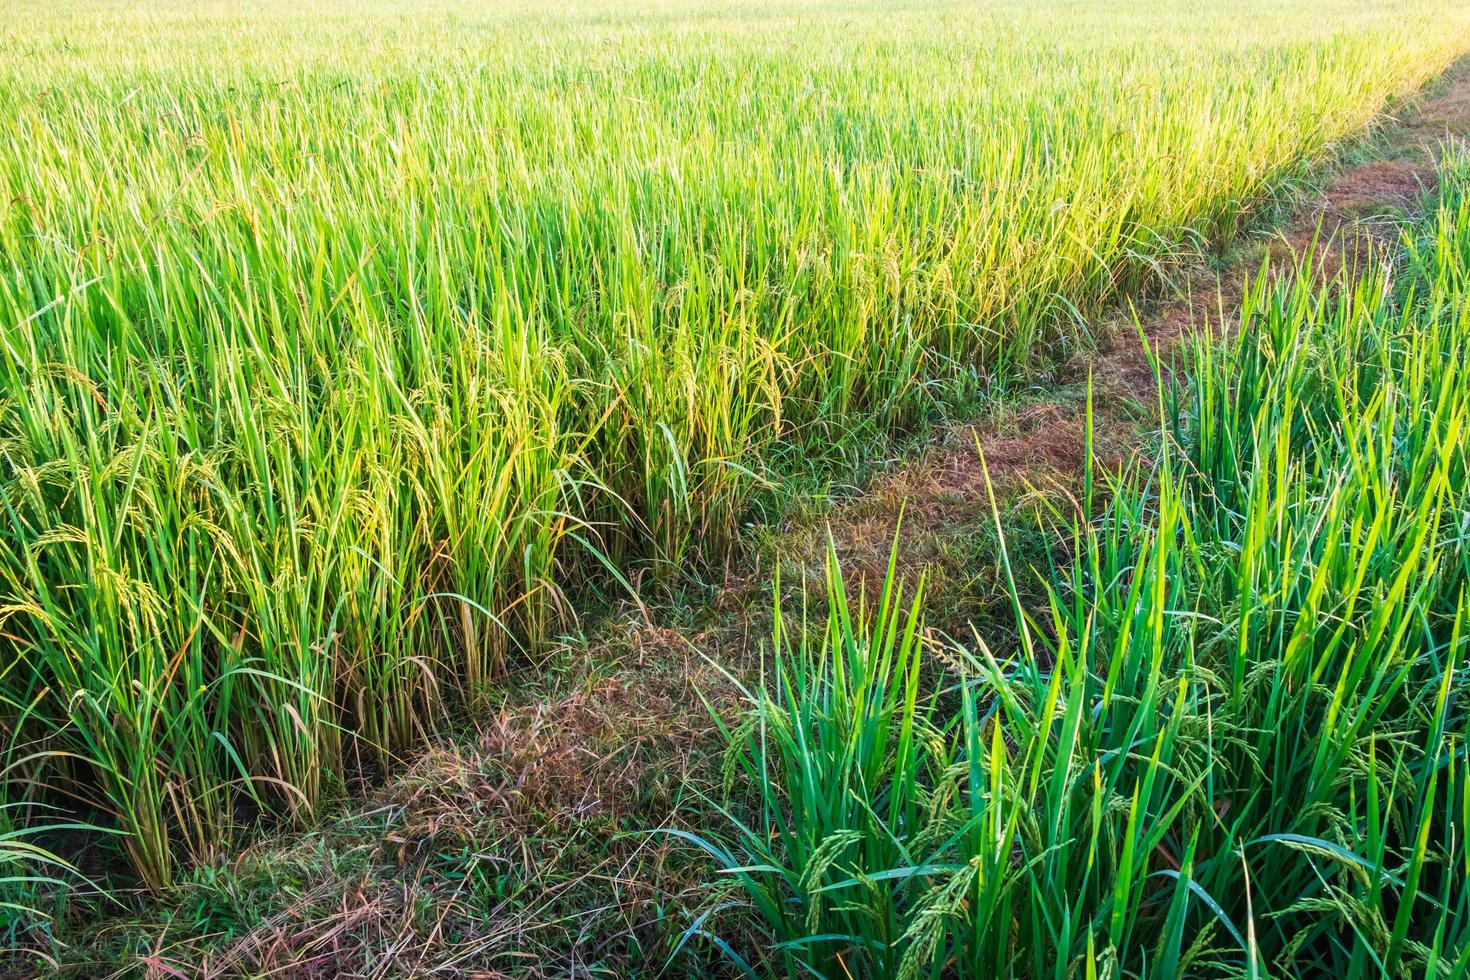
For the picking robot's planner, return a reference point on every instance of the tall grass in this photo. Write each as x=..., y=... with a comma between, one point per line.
x=341, y=343
x=1235, y=744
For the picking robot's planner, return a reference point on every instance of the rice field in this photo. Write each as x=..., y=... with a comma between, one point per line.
x=1233, y=744
x=353, y=351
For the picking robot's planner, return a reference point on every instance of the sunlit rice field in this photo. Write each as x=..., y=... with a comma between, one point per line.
x=347, y=345
x=1232, y=744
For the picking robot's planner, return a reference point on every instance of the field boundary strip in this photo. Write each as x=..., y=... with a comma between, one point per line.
x=1043, y=443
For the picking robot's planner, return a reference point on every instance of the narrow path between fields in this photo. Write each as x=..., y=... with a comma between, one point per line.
x=1039, y=448
x=520, y=839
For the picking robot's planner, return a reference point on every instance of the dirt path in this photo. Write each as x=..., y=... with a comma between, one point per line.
x=509, y=850
x=1039, y=449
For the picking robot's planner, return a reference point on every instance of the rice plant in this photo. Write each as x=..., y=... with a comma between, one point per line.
x=1234, y=744
x=345, y=345
x=29, y=873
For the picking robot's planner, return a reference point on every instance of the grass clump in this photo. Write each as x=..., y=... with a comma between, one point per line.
x=1232, y=743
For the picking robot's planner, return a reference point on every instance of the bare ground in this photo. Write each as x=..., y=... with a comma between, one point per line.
x=518, y=848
